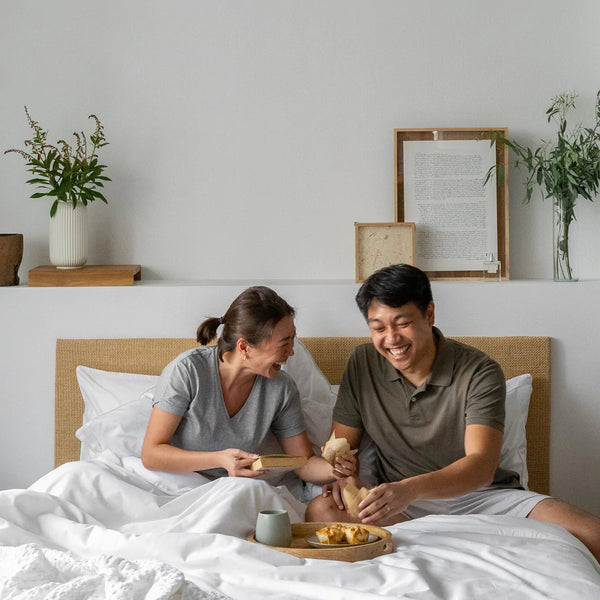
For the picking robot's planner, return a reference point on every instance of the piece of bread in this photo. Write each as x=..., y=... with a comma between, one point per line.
x=342, y=534
x=332, y=534
x=355, y=534
x=352, y=497
x=335, y=447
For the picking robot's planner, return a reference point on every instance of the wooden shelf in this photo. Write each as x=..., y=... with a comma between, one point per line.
x=89, y=275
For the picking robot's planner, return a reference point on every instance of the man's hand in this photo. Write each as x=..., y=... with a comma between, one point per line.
x=385, y=503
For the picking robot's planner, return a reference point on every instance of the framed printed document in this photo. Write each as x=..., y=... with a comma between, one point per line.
x=380, y=245
x=460, y=222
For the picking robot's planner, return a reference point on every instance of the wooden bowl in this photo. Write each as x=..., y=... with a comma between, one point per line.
x=348, y=553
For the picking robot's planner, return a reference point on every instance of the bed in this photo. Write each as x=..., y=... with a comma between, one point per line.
x=106, y=523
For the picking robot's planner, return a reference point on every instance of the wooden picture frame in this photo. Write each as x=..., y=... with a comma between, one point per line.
x=441, y=134
x=379, y=245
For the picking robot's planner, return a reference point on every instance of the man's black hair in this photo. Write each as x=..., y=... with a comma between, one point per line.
x=395, y=286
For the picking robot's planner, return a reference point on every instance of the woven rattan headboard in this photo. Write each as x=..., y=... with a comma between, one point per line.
x=516, y=355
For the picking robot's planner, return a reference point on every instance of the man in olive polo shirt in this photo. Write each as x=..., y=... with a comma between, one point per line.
x=435, y=410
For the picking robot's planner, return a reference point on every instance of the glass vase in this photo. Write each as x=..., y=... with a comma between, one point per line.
x=564, y=210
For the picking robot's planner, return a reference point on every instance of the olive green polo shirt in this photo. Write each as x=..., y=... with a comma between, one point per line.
x=419, y=430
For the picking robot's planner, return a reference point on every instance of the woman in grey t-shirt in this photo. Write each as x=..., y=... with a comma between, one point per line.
x=214, y=406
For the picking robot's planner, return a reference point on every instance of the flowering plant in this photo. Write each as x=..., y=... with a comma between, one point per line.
x=62, y=172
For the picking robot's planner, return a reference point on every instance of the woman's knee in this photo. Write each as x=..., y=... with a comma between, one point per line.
x=323, y=508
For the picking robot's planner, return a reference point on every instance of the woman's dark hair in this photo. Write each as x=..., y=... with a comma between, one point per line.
x=252, y=316
x=395, y=286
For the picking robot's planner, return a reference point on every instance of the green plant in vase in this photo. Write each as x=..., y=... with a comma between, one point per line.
x=63, y=172
x=563, y=169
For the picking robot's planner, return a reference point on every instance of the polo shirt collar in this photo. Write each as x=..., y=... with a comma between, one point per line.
x=443, y=364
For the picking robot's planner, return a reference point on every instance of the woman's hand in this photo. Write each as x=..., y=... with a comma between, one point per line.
x=345, y=465
x=237, y=463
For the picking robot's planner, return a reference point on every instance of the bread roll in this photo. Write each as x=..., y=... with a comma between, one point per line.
x=353, y=497
x=335, y=447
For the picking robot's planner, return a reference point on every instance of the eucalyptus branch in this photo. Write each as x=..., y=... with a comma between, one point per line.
x=563, y=170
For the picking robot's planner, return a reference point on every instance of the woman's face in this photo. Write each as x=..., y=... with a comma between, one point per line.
x=267, y=357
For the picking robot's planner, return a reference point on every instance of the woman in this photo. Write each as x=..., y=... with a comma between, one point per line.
x=215, y=405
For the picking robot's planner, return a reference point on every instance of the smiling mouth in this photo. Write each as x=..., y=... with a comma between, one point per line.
x=399, y=352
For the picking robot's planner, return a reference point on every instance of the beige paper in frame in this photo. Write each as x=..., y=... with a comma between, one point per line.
x=379, y=245
x=402, y=135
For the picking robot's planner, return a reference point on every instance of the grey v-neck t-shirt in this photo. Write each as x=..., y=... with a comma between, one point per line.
x=190, y=386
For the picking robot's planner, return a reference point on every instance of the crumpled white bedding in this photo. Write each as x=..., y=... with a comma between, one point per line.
x=33, y=573
x=182, y=525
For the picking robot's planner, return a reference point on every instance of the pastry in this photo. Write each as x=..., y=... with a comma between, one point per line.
x=335, y=447
x=332, y=534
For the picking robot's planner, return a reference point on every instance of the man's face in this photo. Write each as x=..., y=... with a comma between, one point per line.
x=403, y=335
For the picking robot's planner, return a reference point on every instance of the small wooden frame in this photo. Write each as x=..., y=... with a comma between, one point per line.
x=402, y=135
x=379, y=245
x=89, y=275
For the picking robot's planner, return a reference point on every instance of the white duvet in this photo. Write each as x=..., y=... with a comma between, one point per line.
x=107, y=528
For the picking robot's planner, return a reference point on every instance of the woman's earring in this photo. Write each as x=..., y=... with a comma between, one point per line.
x=245, y=356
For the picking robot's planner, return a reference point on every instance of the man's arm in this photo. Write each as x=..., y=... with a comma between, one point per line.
x=352, y=434
x=476, y=469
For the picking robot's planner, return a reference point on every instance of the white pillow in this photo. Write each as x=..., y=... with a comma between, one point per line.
x=103, y=391
x=514, y=443
x=121, y=430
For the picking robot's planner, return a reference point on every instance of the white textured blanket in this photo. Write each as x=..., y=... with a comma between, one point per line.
x=33, y=573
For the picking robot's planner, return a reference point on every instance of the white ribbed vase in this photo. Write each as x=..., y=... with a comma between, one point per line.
x=68, y=237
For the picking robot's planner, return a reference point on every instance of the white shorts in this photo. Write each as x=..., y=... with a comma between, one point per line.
x=514, y=503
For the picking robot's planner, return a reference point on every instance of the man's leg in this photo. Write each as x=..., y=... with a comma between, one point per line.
x=583, y=525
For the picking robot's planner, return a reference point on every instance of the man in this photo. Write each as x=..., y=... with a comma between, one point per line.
x=435, y=410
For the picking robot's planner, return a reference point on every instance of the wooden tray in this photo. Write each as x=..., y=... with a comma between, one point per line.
x=301, y=548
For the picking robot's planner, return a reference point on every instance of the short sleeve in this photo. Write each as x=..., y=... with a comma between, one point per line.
x=486, y=396
x=289, y=420
x=173, y=392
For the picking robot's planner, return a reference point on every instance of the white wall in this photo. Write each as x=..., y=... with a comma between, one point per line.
x=246, y=137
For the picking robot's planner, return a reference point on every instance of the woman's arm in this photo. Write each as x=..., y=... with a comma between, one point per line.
x=317, y=469
x=159, y=455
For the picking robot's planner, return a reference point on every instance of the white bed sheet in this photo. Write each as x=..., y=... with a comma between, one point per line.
x=115, y=509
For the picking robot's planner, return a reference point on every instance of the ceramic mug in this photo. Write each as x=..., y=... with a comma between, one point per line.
x=273, y=528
